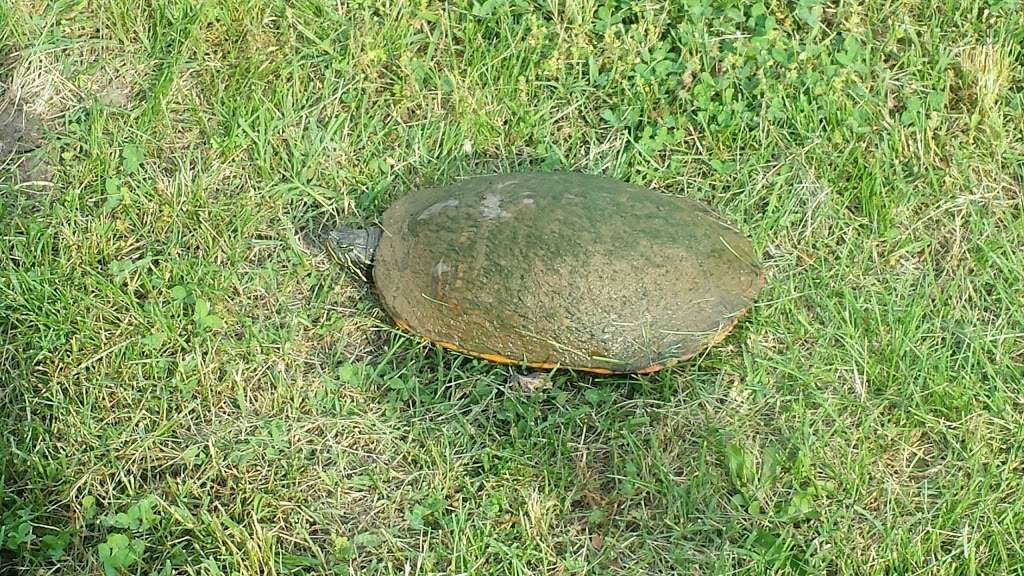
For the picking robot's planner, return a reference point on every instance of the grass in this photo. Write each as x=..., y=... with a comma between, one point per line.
x=185, y=390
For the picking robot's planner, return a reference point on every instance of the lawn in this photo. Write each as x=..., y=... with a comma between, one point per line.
x=185, y=388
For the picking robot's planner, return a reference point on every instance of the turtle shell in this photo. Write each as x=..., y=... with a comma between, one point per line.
x=563, y=270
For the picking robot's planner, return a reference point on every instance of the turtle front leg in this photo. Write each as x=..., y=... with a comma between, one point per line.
x=529, y=383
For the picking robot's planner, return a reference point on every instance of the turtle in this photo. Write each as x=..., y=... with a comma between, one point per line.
x=557, y=270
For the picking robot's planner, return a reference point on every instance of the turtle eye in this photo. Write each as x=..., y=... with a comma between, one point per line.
x=332, y=252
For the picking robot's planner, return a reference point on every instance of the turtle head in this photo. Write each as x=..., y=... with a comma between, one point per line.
x=353, y=245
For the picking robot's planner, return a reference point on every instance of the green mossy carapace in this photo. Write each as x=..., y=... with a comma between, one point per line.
x=563, y=270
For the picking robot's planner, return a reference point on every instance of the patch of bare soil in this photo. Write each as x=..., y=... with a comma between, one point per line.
x=19, y=132
x=23, y=159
